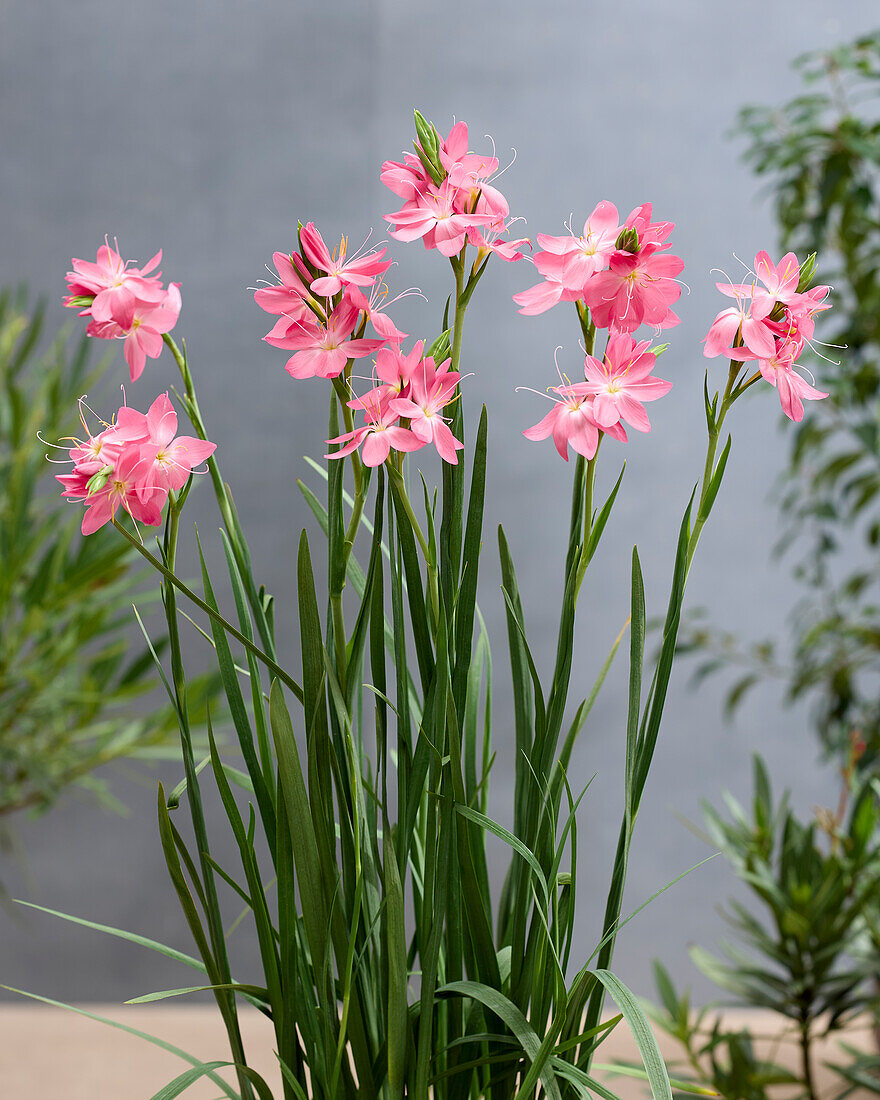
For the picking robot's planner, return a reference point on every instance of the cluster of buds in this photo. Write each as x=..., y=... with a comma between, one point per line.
x=623, y=273
x=449, y=200
x=133, y=464
x=771, y=324
x=124, y=303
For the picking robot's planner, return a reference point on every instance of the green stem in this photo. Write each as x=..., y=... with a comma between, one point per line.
x=224, y=499
x=805, y=1040
x=399, y=484
x=585, y=555
x=731, y=393
x=225, y=999
x=228, y=627
x=339, y=639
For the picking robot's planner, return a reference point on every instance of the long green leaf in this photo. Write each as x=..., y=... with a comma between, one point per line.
x=631, y=1010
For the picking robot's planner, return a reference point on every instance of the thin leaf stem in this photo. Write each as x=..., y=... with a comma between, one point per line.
x=272, y=665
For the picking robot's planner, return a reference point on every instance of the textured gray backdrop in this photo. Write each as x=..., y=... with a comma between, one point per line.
x=209, y=128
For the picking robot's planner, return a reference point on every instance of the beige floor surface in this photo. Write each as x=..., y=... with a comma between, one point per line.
x=51, y=1054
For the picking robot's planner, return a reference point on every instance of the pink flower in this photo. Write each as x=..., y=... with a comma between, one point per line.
x=358, y=271
x=778, y=370
x=492, y=241
x=775, y=345
x=470, y=173
x=114, y=287
x=738, y=319
x=289, y=298
x=143, y=338
x=540, y=297
x=583, y=256
x=571, y=422
x=124, y=303
x=621, y=383
x=407, y=179
x=431, y=389
x=638, y=288
x=780, y=283
x=379, y=435
x=132, y=464
x=374, y=308
x=322, y=350
x=654, y=233
x=434, y=216
x=128, y=488
x=396, y=370
x=173, y=458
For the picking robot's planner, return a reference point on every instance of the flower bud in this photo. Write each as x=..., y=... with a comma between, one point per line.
x=428, y=148
x=808, y=273
x=97, y=481
x=627, y=240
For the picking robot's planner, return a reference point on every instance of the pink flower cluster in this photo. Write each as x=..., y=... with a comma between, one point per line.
x=412, y=391
x=625, y=276
x=462, y=208
x=124, y=303
x=623, y=272
x=132, y=464
x=770, y=324
x=323, y=303
x=613, y=393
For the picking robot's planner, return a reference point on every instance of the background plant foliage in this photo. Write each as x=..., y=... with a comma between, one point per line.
x=68, y=671
x=820, y=155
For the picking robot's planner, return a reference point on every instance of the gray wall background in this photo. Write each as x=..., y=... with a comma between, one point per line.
x=209, y=128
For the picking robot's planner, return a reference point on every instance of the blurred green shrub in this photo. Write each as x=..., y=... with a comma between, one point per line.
x=808, y=945
x=69, y=672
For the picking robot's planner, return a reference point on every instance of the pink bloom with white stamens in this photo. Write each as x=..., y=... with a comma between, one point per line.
x=127, y=488
x=322, y=350
x=407, y=179
x=492, y=240
x=374, y=307
x=396, y=369
x=434, y=217
x=431, y=389
x=132, y=464
x=143, y=337
x=738, y=319
x=583, y=256
x=780, y=283
x=114, y=285
x=379, y=436
x=174, y=457
x=571, y=422
x=288, y=299
x=778, y=370
x=568, y=263
x=774, y=345
x=622, y=382
x=638, y=288
x=340, y=271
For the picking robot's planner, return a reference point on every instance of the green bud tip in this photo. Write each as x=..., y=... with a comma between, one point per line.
x=808, y=273
x=627, y=240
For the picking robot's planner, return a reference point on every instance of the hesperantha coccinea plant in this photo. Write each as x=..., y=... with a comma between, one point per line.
x=390, y=965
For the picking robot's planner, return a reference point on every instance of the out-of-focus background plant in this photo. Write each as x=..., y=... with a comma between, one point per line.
x=808, y=937
x=69, y=673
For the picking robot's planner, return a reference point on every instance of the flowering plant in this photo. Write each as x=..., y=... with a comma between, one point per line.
x=389, y=968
